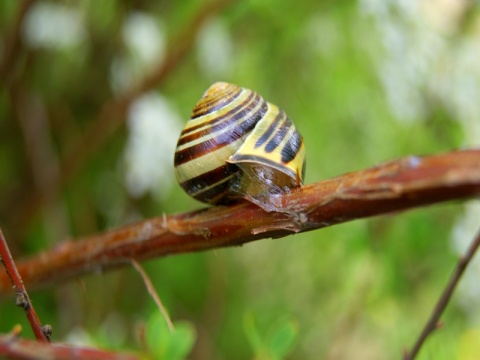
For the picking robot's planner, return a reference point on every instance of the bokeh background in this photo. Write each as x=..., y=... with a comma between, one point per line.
x=93, y=95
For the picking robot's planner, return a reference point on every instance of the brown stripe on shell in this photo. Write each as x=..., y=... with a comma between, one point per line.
x=271, y=128
x=219, y=123
x=278, y=137
x=206, y=189
x=222, y=139
x=217, y=194
x=215, y=97
x=207, y=179
x=291, y=148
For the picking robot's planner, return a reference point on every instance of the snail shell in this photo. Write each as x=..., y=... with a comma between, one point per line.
x=236, y=145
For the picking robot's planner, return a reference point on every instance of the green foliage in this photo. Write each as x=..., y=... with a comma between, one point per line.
x=276, y=343
x=164, y=344
x=469, y=347
x=364, y=82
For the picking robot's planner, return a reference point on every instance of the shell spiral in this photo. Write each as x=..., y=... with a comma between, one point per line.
x=237, y=145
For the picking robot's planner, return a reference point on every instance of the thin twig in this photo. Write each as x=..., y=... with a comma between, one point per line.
x=433, y=322
x=22, y=298
x=397, y=185
x=153, y=293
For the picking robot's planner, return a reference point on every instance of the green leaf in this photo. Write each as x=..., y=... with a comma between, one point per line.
x=278, y=342
x=182, y=341
x=282, y=338
x=252, y=333
x=166, y=344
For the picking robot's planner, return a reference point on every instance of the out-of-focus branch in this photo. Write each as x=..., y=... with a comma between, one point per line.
x=12, y=41
x=13, y=347
x=112, y=114
x=434, y=319
x=398, y=185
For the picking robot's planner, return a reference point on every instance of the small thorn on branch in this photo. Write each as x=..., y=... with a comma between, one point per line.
x=21, y=300
x=47, y=330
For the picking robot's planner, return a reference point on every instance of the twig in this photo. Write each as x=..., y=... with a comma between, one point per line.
x=153, y=293
x=21, y=299
x=398, y=185
x=13, y=347
x=112, y=114
x=433, y=322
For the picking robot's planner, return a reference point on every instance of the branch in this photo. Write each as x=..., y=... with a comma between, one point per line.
x=433, y=322
x=22, y=298
x=16, y=348
x=397, y=185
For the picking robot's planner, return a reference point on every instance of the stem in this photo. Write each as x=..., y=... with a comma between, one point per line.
x=153, y=293
x=433, y=322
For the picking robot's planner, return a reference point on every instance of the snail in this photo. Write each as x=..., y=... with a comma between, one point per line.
x=238, y=146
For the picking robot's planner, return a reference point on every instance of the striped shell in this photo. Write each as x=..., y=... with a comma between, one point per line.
x=237, y=145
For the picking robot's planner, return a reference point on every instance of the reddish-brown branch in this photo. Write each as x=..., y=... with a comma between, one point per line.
x=433, y=321
x=15, y=348
x=112, y=114
x=22, y=298
x=398, y=185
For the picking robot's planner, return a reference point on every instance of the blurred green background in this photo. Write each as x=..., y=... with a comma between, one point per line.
x=87, y=145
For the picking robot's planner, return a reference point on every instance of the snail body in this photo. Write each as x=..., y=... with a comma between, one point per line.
x=236, y=145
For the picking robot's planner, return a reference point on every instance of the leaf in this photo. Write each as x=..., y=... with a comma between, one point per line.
x=282, y=338
x=252, y=333
x=279, y=341
x=167, y=345
x=181, y=341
